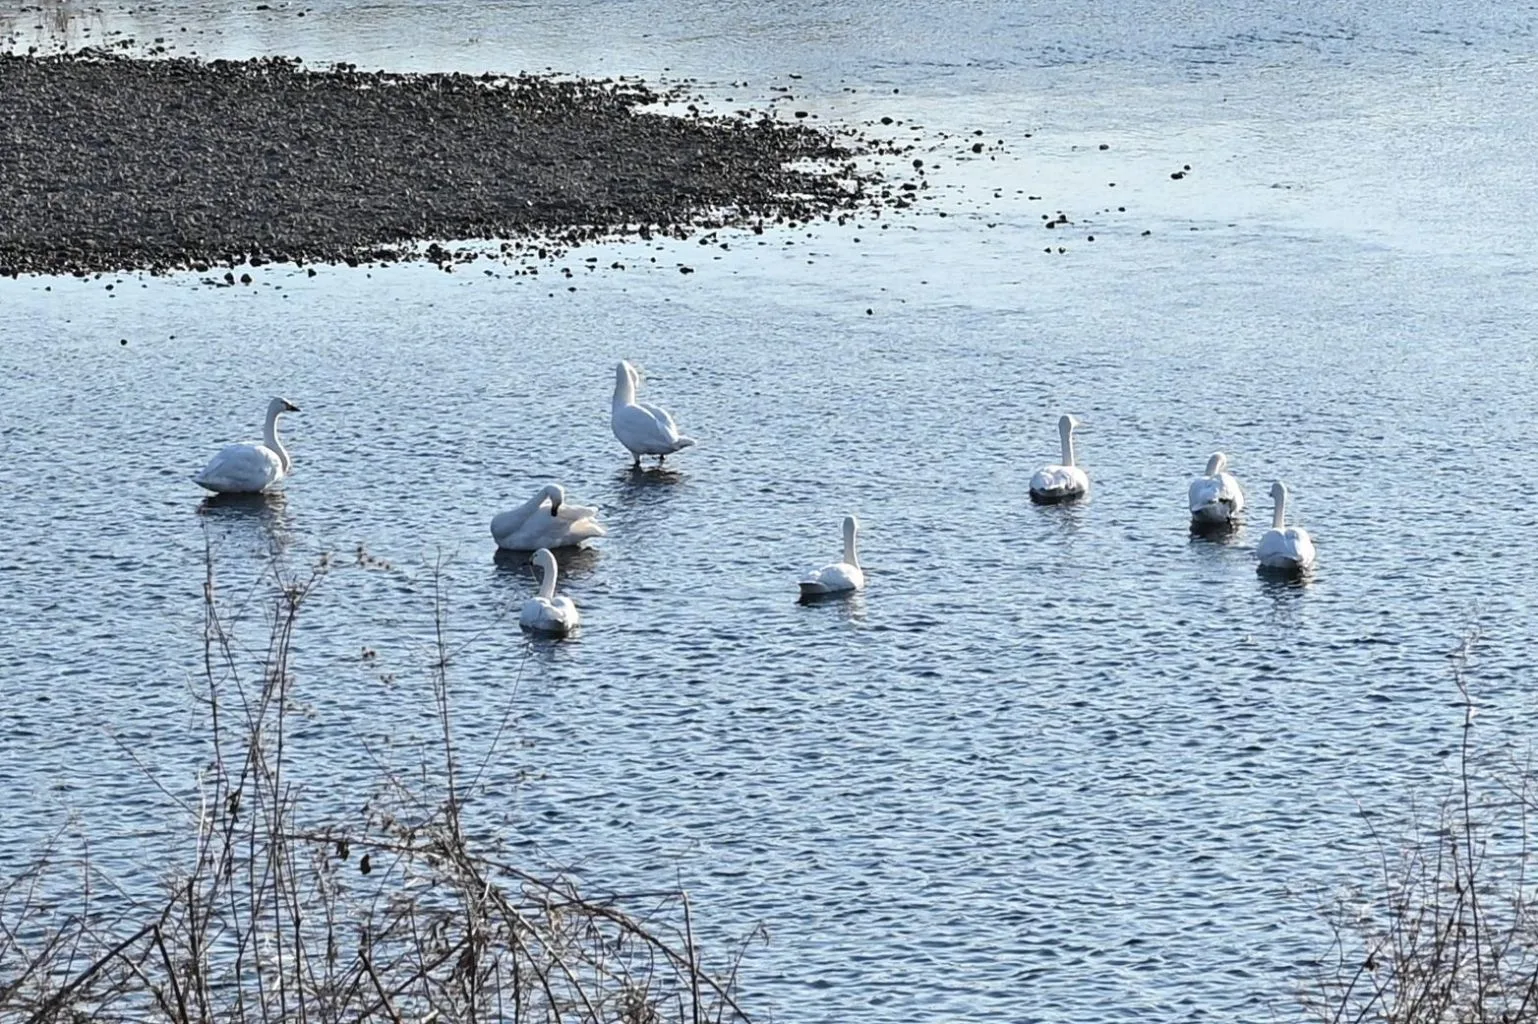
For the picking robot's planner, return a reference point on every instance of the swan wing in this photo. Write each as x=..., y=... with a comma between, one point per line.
x=1060, y=480
x=832, y=579
x=640, y=429
x=1219, y=492
x=514, y=531
x=1289, y=548
x=240, y=469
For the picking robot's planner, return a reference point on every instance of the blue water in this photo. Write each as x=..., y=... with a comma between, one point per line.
x=1058, y=764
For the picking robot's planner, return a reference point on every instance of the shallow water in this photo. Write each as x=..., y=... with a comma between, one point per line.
x=1056, y=764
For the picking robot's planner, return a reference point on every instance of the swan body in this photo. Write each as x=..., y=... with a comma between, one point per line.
x=254, y=467
x=1063, y=482
x=544, y=612
x=1284, y=548
x=1215, y=498
x=546, y=520
x=642, y=428
x=839, y=577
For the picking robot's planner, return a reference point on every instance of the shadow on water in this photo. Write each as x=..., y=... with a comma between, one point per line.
x=1070, y=515
x=638, y=483
x=574, y=564
x=268, y=511
x=850, y=604
x=1221, y=534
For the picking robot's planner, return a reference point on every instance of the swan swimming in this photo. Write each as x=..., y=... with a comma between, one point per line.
x=839, y=577
x=546, y=520
x=1065, y=482
x=642, y=428
x=1284, y=548
x=1216, y=499
x=251, y=468
x=544, y=612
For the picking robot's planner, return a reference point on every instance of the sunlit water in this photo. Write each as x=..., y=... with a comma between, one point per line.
x=1058, y=764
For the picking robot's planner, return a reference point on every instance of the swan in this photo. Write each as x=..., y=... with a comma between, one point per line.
x=1216, y=499
x=644, y=429
x=251, y=468
x=544, y=612
x=532, y=525
x=1284, y=548
x=1064, y=482
x=839, y=577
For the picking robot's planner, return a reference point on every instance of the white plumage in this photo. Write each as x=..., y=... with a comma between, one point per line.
x=546, y=520
x=544, y=612
x=1063, y=482
x=642, y=428
x=1216, y=498
x=1284, y=548
x=839, y=577
x=253, y=467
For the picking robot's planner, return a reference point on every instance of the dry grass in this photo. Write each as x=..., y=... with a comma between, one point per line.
x=394, y=917
x=1450, y=933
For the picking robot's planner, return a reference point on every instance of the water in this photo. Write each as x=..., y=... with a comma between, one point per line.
x=1056, y=764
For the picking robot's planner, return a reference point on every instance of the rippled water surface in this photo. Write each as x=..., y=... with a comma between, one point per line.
x=1056, y=764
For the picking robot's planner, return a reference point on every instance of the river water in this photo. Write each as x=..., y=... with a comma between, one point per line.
x=1056, y=764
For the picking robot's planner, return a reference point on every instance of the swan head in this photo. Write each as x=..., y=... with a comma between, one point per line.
x=1066, y=424
x=1217, y=463
x=556, y=496
x=851, y=527
x=278, y=405
x=545, y=562
x=1278, y=491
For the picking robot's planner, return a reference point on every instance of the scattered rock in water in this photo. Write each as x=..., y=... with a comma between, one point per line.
x=112, y=163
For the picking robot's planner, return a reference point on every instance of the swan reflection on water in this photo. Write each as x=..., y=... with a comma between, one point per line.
x=268, y=511
x=637, y=483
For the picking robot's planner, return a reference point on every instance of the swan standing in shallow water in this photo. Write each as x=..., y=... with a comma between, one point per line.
x=642, y=428
x=1284, y=548
x=544, y=612
x=1064, y=482
x=546, y=521
x=251, y=468
x=840, y=577
x=1216, y=499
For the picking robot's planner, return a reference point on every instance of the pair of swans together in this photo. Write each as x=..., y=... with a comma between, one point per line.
x=1215, y=500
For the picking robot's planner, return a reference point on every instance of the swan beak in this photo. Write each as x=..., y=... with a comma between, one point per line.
x=290, y=407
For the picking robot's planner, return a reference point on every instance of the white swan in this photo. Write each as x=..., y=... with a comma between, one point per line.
x=839, y=577
x=1064, y=482
x=251, y=468
x=1216, y=499
x=544, y=612
x=644, y=429
x=1284, y=548
x=546, y=520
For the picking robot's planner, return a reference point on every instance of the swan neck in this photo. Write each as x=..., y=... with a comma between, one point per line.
x=547, y=580
x=1279, y=511
x=1067, y=432
x=851, y=546
x=270, y=437
x=624, y=388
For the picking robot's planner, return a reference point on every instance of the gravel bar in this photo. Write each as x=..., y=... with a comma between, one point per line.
x=117, y=163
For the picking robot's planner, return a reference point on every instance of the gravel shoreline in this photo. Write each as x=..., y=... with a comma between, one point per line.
x=115, y=163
